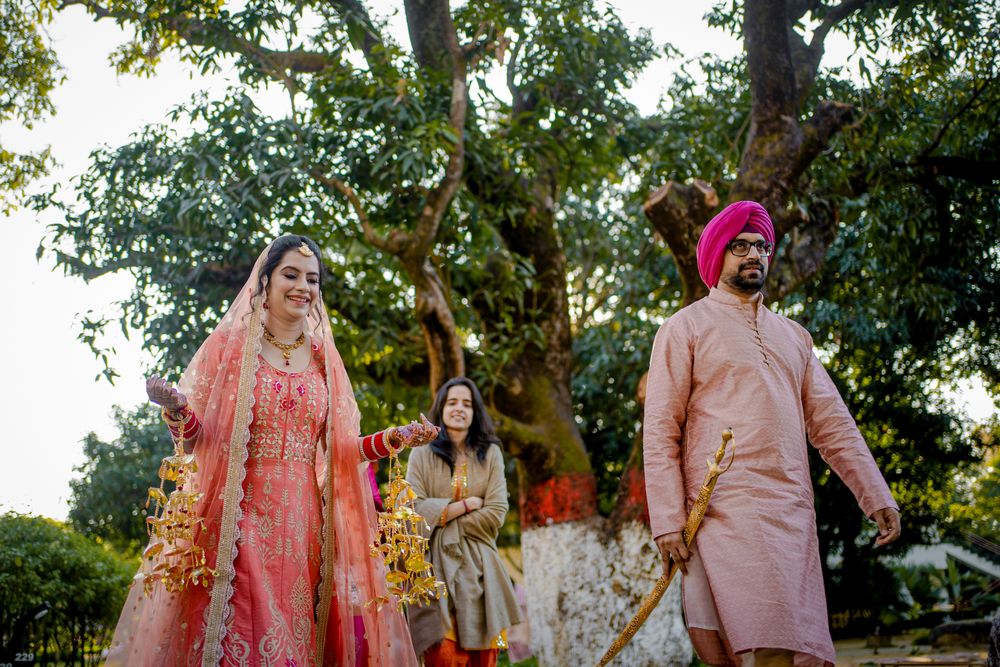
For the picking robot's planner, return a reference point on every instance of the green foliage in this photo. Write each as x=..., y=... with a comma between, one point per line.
x=923, y=590
x=107, y=501
x=904, y=305
x=975, y=507
x=28, y=73
x=44, y=561
x=617, y=279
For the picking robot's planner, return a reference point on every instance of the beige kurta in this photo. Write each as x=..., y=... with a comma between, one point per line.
x=755, y=580
x=464, y=553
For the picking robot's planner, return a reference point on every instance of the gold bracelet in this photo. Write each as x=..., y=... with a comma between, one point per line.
x=185, y=415
x=392, y=440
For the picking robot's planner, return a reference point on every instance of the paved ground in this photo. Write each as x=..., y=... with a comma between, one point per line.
x=854, y=653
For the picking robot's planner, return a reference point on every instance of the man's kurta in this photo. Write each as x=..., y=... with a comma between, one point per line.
x=754, y=580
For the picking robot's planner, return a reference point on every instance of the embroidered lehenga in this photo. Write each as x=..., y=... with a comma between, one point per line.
x=277, y=566
x=287, y=518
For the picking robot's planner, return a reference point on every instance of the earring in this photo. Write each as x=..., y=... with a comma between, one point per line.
x=266, y=307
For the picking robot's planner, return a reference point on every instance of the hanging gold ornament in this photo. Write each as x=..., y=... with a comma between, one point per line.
x=172, y=558
x=402, y=546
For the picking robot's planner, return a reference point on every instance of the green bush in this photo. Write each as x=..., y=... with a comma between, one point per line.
x=42, y=560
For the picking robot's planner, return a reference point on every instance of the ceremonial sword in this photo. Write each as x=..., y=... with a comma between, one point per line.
x=690, y=528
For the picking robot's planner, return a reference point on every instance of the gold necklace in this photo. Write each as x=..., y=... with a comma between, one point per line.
x=286, y=348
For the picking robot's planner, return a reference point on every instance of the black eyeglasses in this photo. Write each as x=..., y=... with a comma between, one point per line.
x=741, y=248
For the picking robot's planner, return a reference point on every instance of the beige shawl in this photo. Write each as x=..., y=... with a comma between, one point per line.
x=464, y=553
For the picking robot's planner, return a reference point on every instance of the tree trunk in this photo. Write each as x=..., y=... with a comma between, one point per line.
x=433, y=311
x=585, y=574
x=592, y=573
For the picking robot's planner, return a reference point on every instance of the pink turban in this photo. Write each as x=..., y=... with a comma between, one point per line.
x=731, y=222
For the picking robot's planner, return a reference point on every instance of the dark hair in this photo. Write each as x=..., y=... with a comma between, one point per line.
x=279, y=247
x=481, y=433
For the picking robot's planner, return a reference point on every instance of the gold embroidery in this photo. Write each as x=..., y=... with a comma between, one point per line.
x=460, y=481
x=281, y=522
x=222, y=587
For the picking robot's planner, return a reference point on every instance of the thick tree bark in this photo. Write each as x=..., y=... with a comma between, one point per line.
x=445, y=355
x=679, y=213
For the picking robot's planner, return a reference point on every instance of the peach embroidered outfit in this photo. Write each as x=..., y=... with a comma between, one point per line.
x=287, y=517
x=280, y=543
x=755, y=579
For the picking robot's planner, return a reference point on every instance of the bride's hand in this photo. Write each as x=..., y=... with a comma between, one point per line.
x=163, y=393
x=415, y=433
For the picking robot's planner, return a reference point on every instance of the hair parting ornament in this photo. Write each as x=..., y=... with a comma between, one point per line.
x=305, y=250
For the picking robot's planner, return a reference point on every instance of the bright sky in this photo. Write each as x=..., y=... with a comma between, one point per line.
x=51, y=399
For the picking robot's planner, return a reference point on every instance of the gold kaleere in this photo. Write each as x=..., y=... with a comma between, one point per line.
x=179, y=562
x=402, y=547
x=690, y=528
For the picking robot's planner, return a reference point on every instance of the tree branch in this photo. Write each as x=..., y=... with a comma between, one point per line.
x=939, y=136
x=355, y=11
x=679, y=212
x=827, y=119
x=838, y=14
x=196, y=32
x=769, y=61
x=806, y=57
x=519, y=103
x=394, y=244
x=443, y=34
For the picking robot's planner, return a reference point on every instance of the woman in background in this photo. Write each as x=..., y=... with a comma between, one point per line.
x=462, y=494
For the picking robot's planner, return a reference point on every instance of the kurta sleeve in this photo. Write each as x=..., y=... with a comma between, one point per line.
x=484, y=524
x=668, y=387
x=419, y=475
x=831, y=430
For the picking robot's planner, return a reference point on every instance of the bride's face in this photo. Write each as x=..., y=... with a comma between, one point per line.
x=293, y=286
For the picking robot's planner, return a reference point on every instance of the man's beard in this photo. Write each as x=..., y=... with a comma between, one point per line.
x=748, y=285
